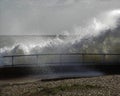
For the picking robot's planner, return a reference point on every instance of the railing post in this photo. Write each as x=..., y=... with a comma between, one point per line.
x=37, y=59
x=103, y=58
x=12, y=60
x=83, y=58
x=60, y=59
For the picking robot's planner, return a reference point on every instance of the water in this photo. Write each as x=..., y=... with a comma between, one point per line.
x=101, y=35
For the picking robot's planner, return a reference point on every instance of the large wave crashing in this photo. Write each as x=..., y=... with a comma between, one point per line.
x=102, y=31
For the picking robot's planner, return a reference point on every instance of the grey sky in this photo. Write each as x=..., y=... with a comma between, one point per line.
x=20, y=17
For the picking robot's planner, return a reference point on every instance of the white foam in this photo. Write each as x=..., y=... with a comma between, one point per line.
x=97, y=26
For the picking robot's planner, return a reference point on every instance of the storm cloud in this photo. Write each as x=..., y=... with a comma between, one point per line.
x=38, y=17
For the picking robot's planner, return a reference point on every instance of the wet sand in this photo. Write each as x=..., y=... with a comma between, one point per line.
x=95, y=86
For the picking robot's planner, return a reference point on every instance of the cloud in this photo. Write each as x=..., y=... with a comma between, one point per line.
x=48, y=16
x=46, y=3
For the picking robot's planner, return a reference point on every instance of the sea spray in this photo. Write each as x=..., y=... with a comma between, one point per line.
x=79, y=40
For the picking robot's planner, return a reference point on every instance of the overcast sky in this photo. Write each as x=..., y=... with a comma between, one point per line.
x=26, y=17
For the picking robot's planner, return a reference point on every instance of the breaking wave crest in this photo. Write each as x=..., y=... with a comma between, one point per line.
x=102, y=30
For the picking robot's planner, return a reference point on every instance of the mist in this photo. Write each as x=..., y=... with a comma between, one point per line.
x=49, y=17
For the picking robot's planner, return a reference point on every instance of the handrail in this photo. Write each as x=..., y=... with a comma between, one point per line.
x=63, y=54
x=103, y=59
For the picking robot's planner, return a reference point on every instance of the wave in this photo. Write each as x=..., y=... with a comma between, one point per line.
x=102, y=31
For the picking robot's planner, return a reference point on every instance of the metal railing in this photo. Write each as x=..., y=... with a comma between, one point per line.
x=63, y=58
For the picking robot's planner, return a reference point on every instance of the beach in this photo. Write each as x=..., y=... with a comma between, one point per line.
x=92, y=86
